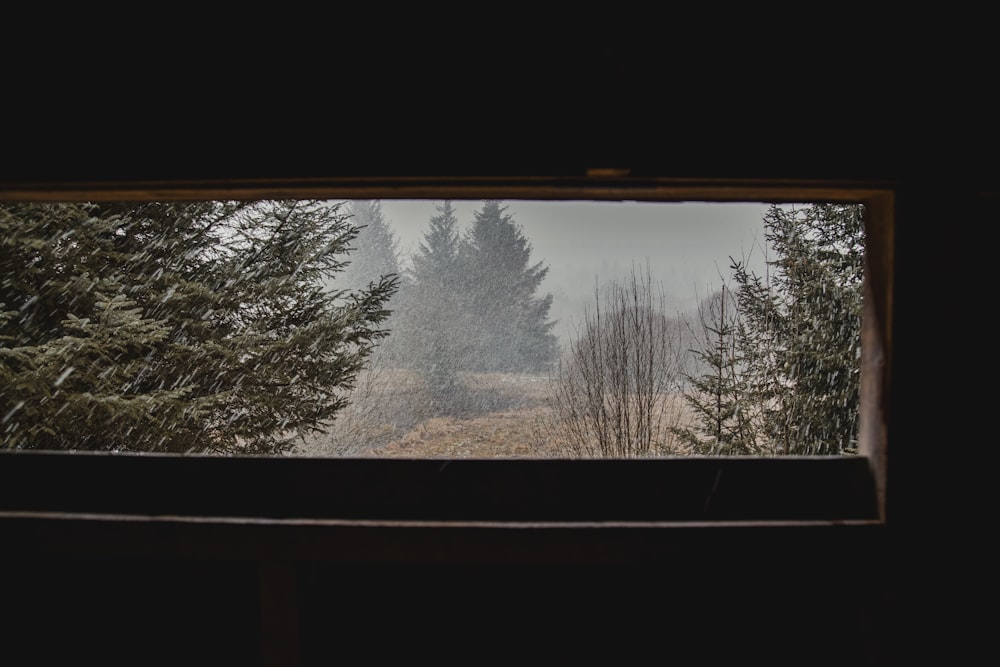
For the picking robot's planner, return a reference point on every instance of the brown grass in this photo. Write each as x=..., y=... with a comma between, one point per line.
x=499, y=416
x=504, y=434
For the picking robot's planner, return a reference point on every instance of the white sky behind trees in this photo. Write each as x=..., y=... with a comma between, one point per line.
x=687, y=245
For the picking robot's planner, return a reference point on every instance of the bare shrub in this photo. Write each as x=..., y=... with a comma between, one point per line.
x=615, y=393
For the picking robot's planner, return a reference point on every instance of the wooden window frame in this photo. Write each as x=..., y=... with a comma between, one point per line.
x=469, y=511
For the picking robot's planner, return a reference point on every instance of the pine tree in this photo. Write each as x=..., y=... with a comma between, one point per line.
x=374, y=251
x=372, y=257
x=508, y=327
x=432, y=315
x=766, y=399
x=801, y=329
x=178, y=327
x=717, y=395
x=820, y=262
x=787, y=370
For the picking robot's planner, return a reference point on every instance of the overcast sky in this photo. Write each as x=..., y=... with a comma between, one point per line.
x=688, y=245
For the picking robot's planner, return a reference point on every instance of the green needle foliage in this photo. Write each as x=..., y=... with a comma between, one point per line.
x=811, y=321
x=784, y=369
x=178, y=327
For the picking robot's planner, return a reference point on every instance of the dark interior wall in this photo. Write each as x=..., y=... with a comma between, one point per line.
x=792, y=600
x=859, y=601
x=201, y=612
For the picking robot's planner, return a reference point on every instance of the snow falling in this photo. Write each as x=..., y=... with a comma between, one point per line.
x=431, y=328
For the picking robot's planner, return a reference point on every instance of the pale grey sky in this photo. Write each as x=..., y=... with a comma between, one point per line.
x=688, y=245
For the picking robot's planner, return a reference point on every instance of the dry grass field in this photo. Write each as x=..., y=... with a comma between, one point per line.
x=497, y=416
x=510, y=433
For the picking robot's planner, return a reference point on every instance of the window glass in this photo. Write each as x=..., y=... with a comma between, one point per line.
x=432, y=328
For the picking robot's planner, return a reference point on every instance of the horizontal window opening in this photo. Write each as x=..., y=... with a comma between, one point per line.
x=437, y=329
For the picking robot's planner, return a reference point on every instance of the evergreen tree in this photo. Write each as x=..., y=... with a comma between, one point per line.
x=765, y=389
x=432, y=315
x=177, y=327
x=815, y=324
x=788, y=382
x=508, y=327
x=372, y=257
x=717, y=395
x=374, y=253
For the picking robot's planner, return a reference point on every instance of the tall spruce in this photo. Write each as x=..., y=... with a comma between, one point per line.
x=178, y=327
x=508, y=326
x=787, y=380
x=374, y=252
x=717, y=395
x=430, y=337
x=765, y=388
x=810, y=319
x=372, y=257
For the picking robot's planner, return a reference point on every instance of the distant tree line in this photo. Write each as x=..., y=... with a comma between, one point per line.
x=469, y=300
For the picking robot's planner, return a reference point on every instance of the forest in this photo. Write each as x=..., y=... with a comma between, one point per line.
x=298, y=328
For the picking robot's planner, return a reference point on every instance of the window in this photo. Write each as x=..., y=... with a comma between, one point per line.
x=844, y=488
